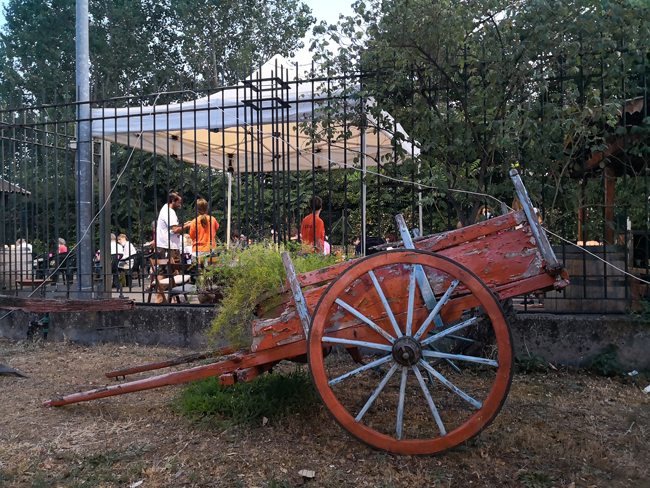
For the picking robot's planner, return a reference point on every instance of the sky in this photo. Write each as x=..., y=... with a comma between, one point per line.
x=327, y=10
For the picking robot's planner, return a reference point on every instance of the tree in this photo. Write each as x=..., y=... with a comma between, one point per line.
x=224, y=39
x=140, y=46
x=487, y=85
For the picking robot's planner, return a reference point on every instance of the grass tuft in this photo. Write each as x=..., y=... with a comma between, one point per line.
x=531, y=364
x=273, y=396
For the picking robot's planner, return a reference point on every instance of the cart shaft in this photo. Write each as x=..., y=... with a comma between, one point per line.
x=238, y=362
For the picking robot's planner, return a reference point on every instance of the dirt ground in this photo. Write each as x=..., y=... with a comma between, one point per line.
x=564, y=428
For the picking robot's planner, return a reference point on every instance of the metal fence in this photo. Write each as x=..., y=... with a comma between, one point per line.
x=258, y=151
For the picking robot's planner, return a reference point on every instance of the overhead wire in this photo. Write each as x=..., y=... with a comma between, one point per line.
x=92, y=221
x=353, y=167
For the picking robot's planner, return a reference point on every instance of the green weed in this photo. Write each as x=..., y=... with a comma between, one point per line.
x=273, y=396
x=531, y=364
x=98, y=469
x=5, y=477
x=641, y=311
x=606, y=362
x=273, y=483
x=247, y=275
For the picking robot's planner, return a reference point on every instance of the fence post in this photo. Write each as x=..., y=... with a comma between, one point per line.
x=84, y=164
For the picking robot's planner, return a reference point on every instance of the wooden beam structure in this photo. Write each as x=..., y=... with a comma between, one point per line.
x=53, y=305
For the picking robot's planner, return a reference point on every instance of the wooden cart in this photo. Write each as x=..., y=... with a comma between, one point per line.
x=430, y=356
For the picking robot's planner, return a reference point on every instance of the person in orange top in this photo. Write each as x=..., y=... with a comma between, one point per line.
x=203, y=229
x=313, y=227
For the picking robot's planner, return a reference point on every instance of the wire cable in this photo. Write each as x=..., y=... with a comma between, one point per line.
x=92, y=221
x=245, y=124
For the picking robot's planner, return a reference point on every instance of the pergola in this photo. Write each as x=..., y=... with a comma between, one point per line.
x=244, y=128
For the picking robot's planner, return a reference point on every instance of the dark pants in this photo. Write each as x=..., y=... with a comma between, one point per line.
x=174, y=255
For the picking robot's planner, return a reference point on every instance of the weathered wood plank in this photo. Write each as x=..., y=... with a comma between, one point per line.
x=53, y=305
x=443, y=240
x=434, y=243
x=224, y=351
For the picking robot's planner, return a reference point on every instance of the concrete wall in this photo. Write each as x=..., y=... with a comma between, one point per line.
x=562, y=339
x=173, y=326
x=571, y=339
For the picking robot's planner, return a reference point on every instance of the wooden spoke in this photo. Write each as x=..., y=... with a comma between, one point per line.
x=360, y=316
x=427, y=395
x=436, y=310
x=374, y=364
x=450, y=385
x=370, y=345
x=448, y=332
x=460, y=357
x=384, y=302
x=376, y=393
x=409, y=316
x=400, y=403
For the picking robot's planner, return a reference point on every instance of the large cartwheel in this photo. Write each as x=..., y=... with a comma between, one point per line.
x=406, y=385
x=388, y=402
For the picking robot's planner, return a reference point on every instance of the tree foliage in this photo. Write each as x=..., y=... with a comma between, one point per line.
x=487, y=85
x=142, y=46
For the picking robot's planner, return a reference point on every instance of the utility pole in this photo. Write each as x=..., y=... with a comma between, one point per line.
x=84, y=151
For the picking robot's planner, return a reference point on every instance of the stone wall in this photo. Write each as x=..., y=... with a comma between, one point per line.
x=562, y=339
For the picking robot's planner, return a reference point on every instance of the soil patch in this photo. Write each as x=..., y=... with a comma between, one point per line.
x=564, y=428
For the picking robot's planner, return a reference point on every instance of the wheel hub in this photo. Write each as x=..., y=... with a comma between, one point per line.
x=407, y=351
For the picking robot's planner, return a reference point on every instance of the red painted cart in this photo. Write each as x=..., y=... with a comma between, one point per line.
x=430, y=353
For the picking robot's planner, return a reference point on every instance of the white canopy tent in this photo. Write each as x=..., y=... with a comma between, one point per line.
x=241, y=128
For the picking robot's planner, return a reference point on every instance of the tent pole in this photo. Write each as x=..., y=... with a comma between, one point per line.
x=105, y=219
x=420, y=204
x=363, y=185
x=228, y=227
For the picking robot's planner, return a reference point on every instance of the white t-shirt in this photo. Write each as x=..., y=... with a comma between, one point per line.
x=129, y=250
x=166, y=219
x=116, y=248
x=27, y=247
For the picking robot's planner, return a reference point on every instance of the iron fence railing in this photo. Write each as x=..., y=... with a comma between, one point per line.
x=257, y=152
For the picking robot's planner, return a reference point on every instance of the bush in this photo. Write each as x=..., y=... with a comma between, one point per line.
x=531, y=364
x=247, y=275
x=273, y=396
x=606, y=363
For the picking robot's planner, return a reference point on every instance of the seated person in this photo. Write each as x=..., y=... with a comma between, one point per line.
x=131, y=260
x=115, y=247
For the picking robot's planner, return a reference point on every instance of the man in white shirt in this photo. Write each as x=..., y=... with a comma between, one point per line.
x=168, y=230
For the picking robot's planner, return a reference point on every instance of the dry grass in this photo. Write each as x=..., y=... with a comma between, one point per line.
x=557, y=429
